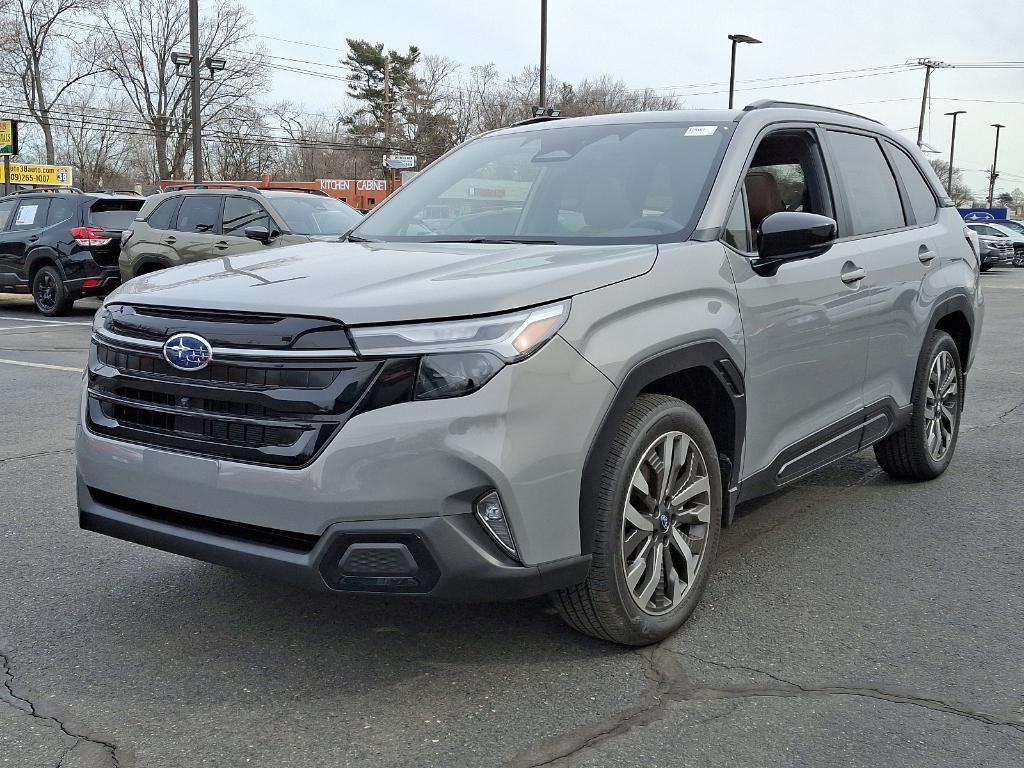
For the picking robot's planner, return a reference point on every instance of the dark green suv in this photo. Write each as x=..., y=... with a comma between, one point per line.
x=185, y=225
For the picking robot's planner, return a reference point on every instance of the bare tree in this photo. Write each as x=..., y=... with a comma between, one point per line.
x=242, y=147
x=140, y=37
x=45, y=55
x=960, y=193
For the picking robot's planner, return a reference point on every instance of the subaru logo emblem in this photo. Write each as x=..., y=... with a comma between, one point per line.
x=188, y=352
x=664, y=521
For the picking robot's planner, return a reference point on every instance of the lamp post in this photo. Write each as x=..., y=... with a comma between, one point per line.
x=995, y=157
x=732, y=66
x=952, y=146
x=543, y=53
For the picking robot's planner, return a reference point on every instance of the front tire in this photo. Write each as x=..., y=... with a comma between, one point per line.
x=924, y=448
x=658, y=520
x=48, y=292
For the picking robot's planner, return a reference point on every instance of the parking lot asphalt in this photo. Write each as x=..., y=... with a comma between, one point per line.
x=852, y=621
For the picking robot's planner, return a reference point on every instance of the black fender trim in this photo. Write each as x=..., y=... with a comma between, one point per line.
x=702, y=354
x=947, y=304
x=46, y=256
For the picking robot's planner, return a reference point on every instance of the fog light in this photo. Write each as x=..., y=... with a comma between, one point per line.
x=490, y=512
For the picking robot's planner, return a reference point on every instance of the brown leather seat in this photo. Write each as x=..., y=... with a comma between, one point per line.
x=763, y=197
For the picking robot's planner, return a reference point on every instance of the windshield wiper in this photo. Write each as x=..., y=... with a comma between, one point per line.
x=497, y=241
x=358, y=239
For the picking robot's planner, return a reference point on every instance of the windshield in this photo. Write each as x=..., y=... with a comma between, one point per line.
x=625, y=183
x=1014, y=226
x=316, y=215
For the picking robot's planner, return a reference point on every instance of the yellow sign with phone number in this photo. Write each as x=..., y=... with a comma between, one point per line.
x=51, y=175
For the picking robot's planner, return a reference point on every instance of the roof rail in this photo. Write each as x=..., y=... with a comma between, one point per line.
x=775, y=104
x=532, y=120
x=317, y=192
x=48, y=188
x=212, y=185
x=122, y=192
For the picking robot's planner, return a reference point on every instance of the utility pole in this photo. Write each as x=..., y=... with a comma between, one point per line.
x=994, y=174
x=952, y=146
x=197, y=124
x=387, y=119
x=929, y=65
x=544, y=53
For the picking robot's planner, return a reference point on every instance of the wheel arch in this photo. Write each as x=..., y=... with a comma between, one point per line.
x=954, y=315
x=702, y=374
x=40, y=258
x=150, y=263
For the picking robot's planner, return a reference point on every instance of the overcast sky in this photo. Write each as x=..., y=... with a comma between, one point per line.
x=667, y=44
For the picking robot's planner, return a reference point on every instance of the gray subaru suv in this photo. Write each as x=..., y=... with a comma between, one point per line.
x=555, y=362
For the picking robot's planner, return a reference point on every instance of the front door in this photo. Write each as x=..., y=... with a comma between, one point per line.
x=806, y=345
x=26, y=223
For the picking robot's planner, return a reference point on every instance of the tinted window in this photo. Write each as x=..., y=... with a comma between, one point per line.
x=871, y=193
x=242, y=212
x=199, y=213
x=163, y=216
x=615, y=183
x=6, y=209
x=922, y=201
x=31, y=214
x=60, y=210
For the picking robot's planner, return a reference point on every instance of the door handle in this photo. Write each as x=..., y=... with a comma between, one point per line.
x=33, y=238
x=170, y=239
x=926, y=254
x=221, y=245
x=854, y=275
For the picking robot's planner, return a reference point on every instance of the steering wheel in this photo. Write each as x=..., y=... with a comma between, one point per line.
x=662, y=224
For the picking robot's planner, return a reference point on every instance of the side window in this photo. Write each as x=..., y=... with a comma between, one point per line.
x=60, y=210
x=6, y=209
x=922, y=199
x=243, y=212
x=786, y=174
x=870, y=187
x=31, y=214
x=200, y=214
x=736, y=232
x=163, y=216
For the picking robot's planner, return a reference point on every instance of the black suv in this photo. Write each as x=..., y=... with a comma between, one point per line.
x=62, y=244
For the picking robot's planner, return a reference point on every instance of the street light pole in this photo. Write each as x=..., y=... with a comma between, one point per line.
x=544, y=53
x=732, y=65
x=952, y=146
x=197, y=125
x=994, y=174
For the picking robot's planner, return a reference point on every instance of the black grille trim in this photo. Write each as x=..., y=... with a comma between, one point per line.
x=272, y=537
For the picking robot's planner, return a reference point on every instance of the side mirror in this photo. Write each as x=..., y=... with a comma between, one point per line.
x=262, y=234
x=791, y=236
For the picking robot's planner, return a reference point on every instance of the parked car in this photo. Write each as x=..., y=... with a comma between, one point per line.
x=1017, y=228
x=689, y=310
x=194, y=223
x=1005, y=244
x=61, y=244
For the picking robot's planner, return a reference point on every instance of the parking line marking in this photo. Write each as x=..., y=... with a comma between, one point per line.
x=35, y=327
x=43, y=365
x=48, y=322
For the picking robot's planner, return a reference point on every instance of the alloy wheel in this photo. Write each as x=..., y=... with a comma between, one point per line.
x=942, y=406
x=665, y=523
x=46, y=292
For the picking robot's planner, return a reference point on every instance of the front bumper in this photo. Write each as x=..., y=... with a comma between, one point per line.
x=412, y=467
x=440, y=557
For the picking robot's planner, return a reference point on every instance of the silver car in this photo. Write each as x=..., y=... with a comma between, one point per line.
x=555, y=362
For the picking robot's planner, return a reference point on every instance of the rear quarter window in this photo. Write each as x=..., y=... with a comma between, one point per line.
x=919, y=192
x=163, y=216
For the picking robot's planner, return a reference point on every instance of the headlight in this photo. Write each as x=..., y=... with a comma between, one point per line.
x=453, y=375
x=511, y=337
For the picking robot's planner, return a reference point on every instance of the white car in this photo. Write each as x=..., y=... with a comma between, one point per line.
x=1002, y=233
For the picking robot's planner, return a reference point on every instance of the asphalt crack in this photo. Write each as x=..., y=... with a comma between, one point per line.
x=669, y=684
x=38, y=455
x=1000, y=420
x=12, y=699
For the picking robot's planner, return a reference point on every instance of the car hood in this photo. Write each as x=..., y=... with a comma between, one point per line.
x=360, y=283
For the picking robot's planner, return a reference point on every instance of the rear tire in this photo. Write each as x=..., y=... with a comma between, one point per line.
x=49, y=293
x=924, y=448
x=656, y=533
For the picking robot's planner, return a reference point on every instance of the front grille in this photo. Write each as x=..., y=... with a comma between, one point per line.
x=276, y=405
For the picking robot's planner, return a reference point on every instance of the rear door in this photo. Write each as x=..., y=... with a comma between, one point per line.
x=197, y=228
x=26, y=225
x=892, y=217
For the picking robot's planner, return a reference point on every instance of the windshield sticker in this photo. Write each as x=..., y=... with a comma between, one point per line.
x=701, y=130
x=26, y=215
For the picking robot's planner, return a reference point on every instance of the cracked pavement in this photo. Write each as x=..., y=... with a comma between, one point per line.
x=851, y=621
